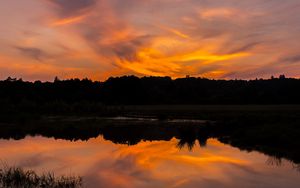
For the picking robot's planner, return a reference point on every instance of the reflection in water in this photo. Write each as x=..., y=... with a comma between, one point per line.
x=148, y=163
x=134, y=153
x=274, y=161
x=279, y=141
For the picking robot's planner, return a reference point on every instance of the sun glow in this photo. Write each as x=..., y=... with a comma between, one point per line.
x=152, y=61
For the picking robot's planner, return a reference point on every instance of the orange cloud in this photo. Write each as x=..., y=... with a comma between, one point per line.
x=163, y=58
x=68, y=21
x=176, y=32
x=218, y=13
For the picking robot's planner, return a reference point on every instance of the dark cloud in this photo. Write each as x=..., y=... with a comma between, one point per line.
x=244, y=48
x=208, y=68
x=34, y=53
x=68, y=8
x=37, y=160
x=263, y=71
x=111, y=36
x=127, y=50
x=290, y=59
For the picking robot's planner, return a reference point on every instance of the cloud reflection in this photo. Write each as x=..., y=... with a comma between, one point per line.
x=147, y=164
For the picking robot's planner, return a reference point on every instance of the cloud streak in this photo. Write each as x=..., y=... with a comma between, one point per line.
x=34, y=53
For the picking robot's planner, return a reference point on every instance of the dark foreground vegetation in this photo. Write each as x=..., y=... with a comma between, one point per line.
x=13, y=177
x=74, y=96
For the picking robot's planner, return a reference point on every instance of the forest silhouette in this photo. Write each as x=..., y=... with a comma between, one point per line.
x=75, y=95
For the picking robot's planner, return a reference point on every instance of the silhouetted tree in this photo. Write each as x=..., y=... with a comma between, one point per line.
x=282, y=77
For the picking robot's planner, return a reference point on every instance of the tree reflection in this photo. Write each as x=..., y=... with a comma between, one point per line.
x=187, y=137
x=132, y=132
x=274, y=161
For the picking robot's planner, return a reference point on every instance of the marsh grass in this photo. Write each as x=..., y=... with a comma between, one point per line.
x=20, y=178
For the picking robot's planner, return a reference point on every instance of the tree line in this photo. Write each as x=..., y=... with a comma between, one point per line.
x=132, y=90
x=87, y=97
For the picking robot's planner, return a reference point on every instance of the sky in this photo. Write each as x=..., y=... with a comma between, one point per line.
x=220, y=39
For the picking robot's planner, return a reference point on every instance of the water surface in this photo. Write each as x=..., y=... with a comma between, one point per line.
x=159, y=163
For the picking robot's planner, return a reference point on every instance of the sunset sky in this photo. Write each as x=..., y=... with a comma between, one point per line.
x=41, y=39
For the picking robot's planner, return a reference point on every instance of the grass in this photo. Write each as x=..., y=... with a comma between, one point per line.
x=20, y=178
